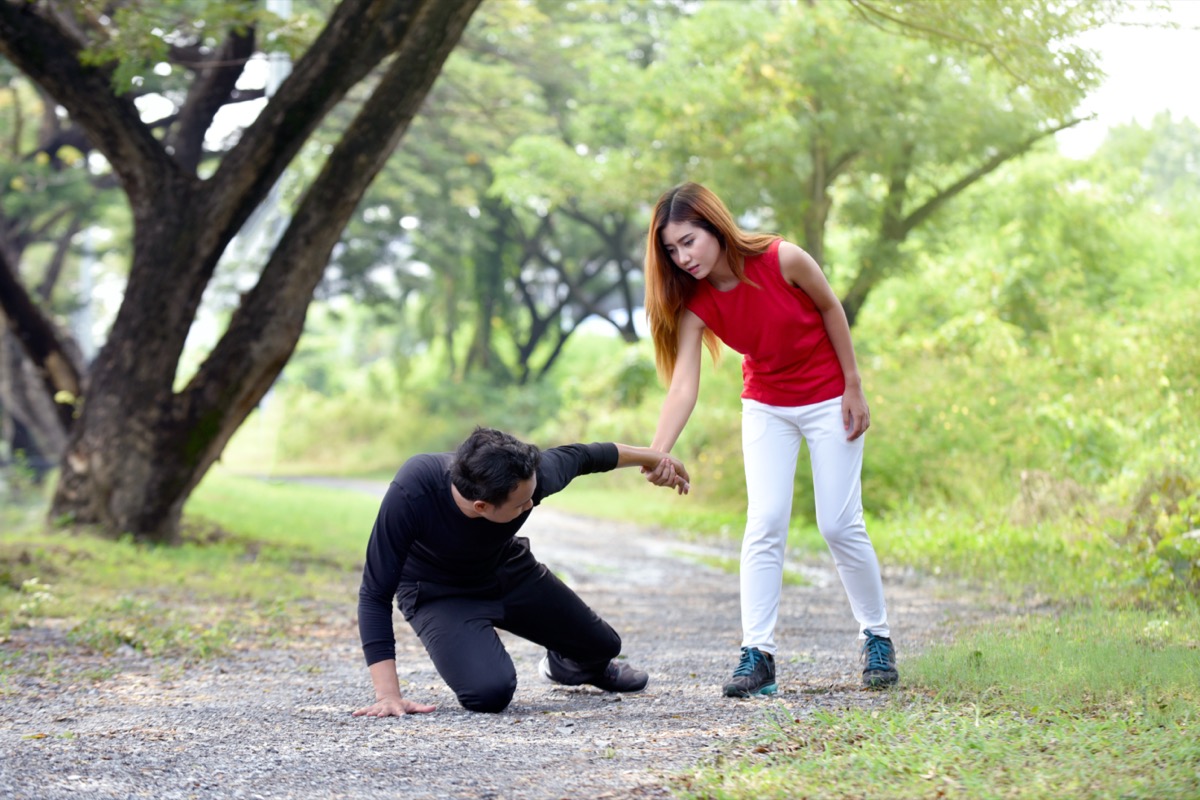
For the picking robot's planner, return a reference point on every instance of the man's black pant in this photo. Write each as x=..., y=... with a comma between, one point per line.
x=458, y=629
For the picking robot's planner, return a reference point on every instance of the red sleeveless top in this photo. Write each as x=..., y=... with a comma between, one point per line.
x=787, y=358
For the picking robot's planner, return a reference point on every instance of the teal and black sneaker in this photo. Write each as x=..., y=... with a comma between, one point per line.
x=879, y=659
x=755, y=674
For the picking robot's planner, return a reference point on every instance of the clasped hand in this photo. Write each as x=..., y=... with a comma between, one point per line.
x=669, y=472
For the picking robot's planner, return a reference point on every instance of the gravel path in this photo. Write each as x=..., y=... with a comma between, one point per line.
x=275, y=723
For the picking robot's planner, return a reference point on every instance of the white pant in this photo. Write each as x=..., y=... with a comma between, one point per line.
x=770, y=445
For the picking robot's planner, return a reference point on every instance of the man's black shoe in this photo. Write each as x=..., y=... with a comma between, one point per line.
x=617, y=677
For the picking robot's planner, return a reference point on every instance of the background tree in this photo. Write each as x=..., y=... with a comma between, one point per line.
x=139, y=445
x=826, y=116
x=534, y=89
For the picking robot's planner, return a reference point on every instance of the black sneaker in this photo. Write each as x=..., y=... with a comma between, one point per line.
x=617, y=677
x=879, y=659
x=755, y=674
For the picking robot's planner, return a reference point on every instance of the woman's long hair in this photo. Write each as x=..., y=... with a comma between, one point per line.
x=668, y=288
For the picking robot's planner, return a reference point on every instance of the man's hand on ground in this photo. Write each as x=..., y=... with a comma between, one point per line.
x=394, y=707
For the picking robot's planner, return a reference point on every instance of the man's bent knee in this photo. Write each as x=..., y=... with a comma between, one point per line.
x=488, y=699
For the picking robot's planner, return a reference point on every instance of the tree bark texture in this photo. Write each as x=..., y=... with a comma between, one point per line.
x=139, y=445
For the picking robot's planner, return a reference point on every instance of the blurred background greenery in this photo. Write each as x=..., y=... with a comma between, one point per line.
x=1023, y=307
x=1024, y=318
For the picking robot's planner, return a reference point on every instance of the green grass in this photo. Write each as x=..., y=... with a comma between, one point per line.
x=1060, y=561
x=1090, y=701
x=1088, y=661
x=1087, y=704
x=258, y=561
x=309, y=518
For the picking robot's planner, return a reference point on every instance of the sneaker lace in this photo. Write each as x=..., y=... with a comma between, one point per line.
x=878, y=652
x=750, y=659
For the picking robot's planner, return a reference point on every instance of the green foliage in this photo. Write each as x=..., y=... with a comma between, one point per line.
x=370, y=420
x=139, y=36
x=1164, y=528
x=1033, y=42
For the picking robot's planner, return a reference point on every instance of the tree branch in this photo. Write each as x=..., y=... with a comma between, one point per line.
x=866, y=10
x=267, y=324
x=359, y=34
x=50, y=56
x=39, y=339
x=212, y=88
x=930, y=206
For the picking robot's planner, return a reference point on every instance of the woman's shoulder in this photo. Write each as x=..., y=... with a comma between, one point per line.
x=795, y=264
x=765, y=264
x=768, y=256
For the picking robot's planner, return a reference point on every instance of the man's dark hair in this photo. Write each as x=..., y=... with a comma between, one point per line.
x=490, y=463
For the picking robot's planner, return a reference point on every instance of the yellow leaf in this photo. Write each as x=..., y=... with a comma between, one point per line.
x=70, y=155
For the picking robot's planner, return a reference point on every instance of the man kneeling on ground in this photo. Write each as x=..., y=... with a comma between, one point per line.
x=445, y=546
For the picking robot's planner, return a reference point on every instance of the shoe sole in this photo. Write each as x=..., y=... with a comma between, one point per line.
x=769, y=689
x=881, y=680
x=630, y=690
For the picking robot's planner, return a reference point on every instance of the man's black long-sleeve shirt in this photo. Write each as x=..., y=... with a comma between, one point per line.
x=422, y=536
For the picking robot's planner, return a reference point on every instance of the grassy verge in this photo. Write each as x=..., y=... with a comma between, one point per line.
x=1088, y=704
x=259, y=561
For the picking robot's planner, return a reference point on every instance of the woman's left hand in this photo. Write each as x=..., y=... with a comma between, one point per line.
x=856, y=417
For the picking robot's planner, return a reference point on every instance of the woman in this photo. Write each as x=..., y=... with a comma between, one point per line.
x=706, y=279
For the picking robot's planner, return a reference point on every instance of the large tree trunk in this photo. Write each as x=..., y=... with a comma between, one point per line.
x=140, y=446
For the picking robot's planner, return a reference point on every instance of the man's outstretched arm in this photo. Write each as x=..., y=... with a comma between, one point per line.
x=667, y=469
